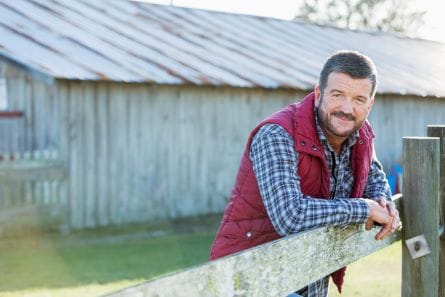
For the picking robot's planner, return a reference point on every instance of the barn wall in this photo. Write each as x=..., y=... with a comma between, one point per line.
x=140, y=152
x=394, y=117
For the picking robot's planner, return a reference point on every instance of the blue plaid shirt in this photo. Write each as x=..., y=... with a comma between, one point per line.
x=275, y=164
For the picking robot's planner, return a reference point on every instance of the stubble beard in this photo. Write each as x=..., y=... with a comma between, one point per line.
x=326, y=123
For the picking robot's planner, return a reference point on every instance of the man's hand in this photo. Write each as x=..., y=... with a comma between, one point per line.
x=393, y=212
x=385, y=213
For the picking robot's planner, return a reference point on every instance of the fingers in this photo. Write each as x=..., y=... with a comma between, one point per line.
x=378, y=213
x=369, y=224
x=391, y=227
x=385, y=213
x=385, y=231
x=382, y=202
x=392, y=209
x=395, y=223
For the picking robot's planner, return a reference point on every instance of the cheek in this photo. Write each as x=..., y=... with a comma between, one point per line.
x=329, y=108
x=362, y=112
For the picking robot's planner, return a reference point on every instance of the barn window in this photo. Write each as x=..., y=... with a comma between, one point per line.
x=3, y=94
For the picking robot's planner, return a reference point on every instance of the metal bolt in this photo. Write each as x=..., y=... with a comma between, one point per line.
x=417, y=246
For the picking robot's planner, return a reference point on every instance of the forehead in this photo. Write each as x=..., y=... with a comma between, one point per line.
x=345, y=83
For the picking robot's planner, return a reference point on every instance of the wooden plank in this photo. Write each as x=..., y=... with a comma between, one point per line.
x=134, y=124
x=273, y=269
x=439, y=131
x=75, y=168
x=113, y=183
x=38, y=170
x=102, y=149
x=124, y=168
x=420, y=277
x=64, y=147
x=89, y=157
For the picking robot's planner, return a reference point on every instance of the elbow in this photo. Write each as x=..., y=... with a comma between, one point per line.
x=290, y=221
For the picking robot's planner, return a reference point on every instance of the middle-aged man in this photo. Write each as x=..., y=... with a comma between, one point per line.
x=303, y=165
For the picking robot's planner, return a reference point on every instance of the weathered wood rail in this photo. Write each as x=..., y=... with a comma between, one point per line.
x=273, y=269
x=283, y=266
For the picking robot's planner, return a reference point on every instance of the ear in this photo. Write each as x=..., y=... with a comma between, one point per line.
x=317, y=94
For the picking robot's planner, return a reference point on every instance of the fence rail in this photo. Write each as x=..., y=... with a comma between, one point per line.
x=283, y=266
x=273, y=269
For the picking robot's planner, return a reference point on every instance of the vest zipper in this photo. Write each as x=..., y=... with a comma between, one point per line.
x=334, y=165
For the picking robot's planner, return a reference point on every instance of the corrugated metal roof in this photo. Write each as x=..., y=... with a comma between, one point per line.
x=141, y=42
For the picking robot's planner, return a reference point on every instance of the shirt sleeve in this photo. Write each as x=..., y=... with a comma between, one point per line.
x=275, y=165
x=377, y=185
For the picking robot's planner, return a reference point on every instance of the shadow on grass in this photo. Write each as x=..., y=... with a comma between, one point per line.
x=104, y=255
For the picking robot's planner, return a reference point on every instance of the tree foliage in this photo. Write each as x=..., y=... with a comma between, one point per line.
x=381, y=15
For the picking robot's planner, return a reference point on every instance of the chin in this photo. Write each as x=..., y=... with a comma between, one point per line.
x=342, y=133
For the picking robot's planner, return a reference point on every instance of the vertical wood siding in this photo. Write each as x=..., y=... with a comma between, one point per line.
x=394, y=117
x=140, y=153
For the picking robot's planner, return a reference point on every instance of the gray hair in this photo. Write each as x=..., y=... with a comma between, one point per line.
x=352, y=63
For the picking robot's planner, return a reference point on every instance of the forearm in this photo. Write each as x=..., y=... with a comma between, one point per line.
x=291, y=215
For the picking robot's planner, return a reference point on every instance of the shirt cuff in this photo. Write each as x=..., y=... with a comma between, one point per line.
x=356, y=210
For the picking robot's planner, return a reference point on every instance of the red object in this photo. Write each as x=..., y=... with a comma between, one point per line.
x=245, y=223
x=11, y=114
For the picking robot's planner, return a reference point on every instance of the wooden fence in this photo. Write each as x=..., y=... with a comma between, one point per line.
x=32, y=191
x=283, y=266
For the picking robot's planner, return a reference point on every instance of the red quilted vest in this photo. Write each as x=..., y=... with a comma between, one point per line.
x=245, y=223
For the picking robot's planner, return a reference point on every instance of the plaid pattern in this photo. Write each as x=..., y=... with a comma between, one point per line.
x=275, y=163
x=377, y=185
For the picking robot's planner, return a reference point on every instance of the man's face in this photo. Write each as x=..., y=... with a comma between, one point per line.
x=344, y=105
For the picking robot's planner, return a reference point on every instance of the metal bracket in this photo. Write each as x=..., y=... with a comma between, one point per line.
x=417, y=246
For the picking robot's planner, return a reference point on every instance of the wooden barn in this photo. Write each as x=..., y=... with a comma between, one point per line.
x=149, y=106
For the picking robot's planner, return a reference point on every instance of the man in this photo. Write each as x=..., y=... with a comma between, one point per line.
x=302, y=166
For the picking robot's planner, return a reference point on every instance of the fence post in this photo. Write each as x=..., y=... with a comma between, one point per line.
x=420, y=276
x=439, y=131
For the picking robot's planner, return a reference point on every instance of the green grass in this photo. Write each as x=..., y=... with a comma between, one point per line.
x=92, y=263
x=377, y=275
x=45, y=267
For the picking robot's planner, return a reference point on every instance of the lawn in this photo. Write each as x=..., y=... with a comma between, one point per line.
x=60, y=266
x=377, y=275
x=96, y=262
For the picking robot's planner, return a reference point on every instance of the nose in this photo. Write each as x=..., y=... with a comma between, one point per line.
x=347, y=106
